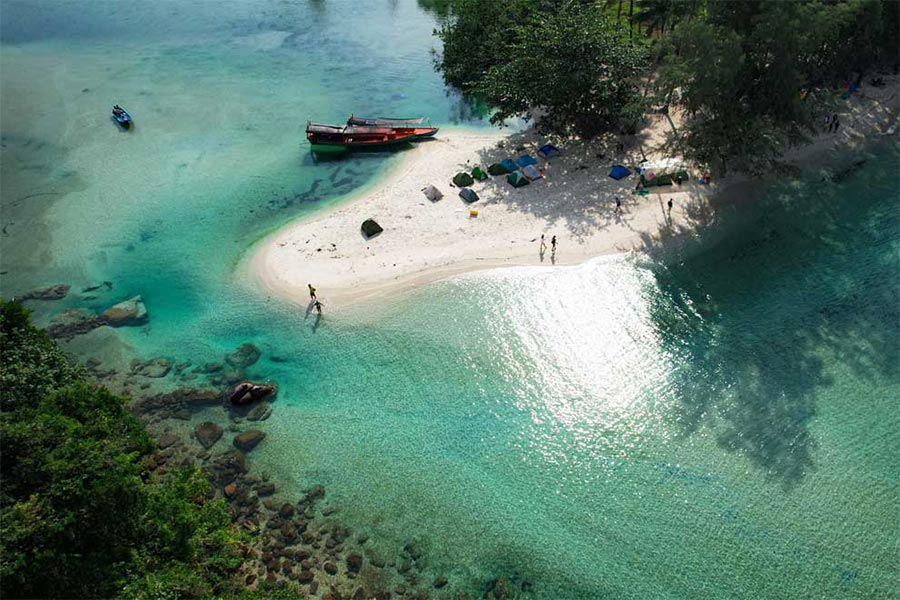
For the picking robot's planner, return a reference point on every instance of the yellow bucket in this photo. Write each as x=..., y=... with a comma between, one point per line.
x=473, y=212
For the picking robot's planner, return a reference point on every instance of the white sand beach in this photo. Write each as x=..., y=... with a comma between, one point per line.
x=425, y=241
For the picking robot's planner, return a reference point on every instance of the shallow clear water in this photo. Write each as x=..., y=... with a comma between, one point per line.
x=721, y=427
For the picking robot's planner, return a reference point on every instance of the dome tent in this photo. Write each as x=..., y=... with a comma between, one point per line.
x=432, y=193
x=462, y=180
x=370, y=228
x=517, y=179
x=468, y=195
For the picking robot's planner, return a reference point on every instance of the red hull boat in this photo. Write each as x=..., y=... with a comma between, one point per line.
x=366, y=133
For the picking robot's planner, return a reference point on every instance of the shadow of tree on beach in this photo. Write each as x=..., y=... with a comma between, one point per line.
x=577, y=192
x=752, y=308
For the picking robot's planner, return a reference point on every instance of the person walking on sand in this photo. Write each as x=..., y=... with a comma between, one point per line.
x=670, y=205
x=553, y=244
x=312, y=291
x=618, y=205
x=835, y=122
x=543, y=243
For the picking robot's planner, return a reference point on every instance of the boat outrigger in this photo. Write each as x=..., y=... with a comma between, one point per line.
x=121, y=117
x=366, y=133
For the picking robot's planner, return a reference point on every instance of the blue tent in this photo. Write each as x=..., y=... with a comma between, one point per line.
x=509, y=165
x=618, y=172
x=548, y=151
x=525, y=160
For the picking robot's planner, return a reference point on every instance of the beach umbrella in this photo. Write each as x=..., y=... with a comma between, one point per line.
x=619, y=172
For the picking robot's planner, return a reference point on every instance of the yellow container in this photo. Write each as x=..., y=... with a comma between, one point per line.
x=473, y=212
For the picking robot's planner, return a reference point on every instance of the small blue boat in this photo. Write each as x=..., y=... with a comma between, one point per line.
x=121, y=117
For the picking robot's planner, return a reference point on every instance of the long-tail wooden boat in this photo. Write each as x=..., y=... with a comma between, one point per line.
x=366, y=133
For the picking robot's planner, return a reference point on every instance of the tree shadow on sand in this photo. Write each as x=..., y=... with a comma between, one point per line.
x=753, y=307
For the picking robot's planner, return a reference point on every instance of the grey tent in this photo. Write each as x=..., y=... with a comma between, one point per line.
x=468, y=195
x=370, y=228
x=432, y=193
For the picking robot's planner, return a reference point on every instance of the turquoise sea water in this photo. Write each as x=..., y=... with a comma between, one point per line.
x=723, y=426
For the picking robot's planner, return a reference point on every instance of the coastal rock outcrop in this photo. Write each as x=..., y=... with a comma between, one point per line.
x=208, y=433
x=246, y=355
x=248, y=440
x=128, y=312
x=260, y=412
x=54, y=292
x=247, y=391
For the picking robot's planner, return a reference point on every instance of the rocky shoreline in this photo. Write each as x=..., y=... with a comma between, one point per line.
x=299, y=542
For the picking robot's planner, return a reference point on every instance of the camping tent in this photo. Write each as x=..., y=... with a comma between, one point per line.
x=531, y=173
x=509, y=165
x=432, y=193
x=663, y=172
x=619, y=172
x=468, y=195
x=371, y=228
x=478, y=174
x=516, y=179
x=497, y=169
x=548, y=151
x=525, y=160
x=462, y=180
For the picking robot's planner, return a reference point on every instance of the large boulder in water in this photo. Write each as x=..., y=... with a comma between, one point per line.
x=129, y=312
x=247, y=391
x=248, y=440
x=244, y=356
x=208, y=434
x=73, y=322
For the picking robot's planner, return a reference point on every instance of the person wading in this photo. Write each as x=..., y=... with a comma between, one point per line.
x=312, y=291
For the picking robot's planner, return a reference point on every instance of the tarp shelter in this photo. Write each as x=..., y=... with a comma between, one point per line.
x=468, y=195
x=517, y=179
x=370, y=228
x=525, y=160
x=663, y=172
x=497, y=169
x=509, y=165
x=531, y=172
x=548, y=151
x=478, y=174
x=432, y=193
x=462, y=180
x=619, y=172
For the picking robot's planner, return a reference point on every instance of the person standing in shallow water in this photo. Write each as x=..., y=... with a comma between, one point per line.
x=312, y=292
x=318, y=306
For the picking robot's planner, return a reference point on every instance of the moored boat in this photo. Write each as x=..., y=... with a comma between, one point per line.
x=366, y=133
x=121, y=117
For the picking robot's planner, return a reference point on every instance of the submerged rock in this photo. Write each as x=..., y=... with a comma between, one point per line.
x=54, y=292
x=169, y=404
x=156, y=368
x=129, y=312
x=354, y=562
x=72, y=322
x=208, y=434
x=260, y=412
x=244, y=356
x=248, y=440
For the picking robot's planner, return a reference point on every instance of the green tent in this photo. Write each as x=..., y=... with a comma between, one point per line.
x=497, y=169
x=462, y=180
x=517, y=179
x=478, y=174
x=370, y=228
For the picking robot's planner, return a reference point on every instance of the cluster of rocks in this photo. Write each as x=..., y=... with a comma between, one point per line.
x=303, y=542
x=72, y=322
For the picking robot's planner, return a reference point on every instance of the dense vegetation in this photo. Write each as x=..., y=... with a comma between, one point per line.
x=739, y=69
x=80, y=514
